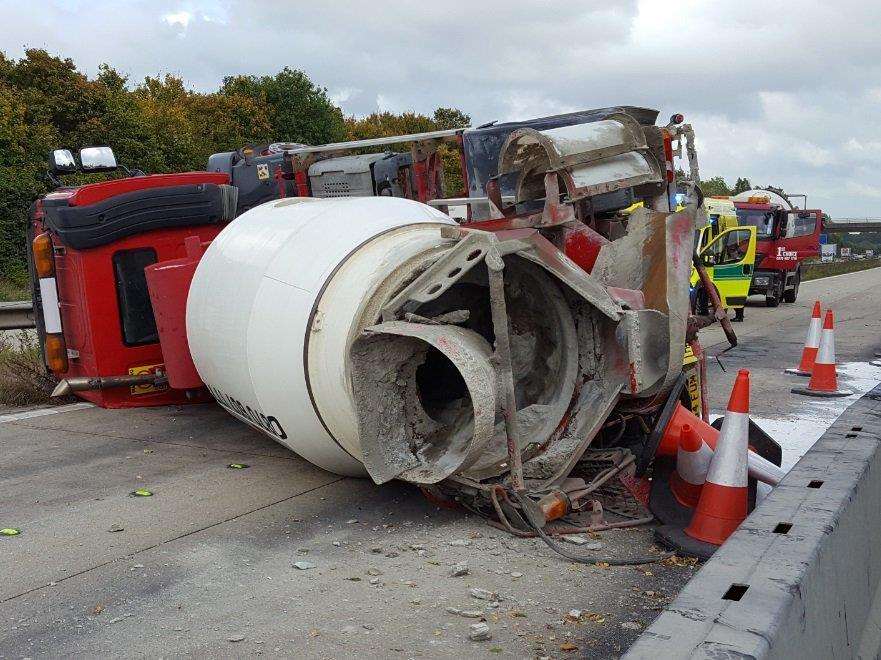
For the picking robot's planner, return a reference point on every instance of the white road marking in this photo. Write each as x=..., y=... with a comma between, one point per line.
x=42, y=412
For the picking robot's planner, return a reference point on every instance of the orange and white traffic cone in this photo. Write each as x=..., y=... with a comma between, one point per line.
x=692, y=462
x=724, y=499
x=759, y=468
x=812, y=345
x=824, y=379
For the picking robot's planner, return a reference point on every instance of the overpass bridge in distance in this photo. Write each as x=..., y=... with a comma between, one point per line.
x=844, y=225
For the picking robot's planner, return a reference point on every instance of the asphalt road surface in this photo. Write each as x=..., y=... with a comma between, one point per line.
x=205, y=565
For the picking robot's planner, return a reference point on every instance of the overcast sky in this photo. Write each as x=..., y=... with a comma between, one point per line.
x=782, y=92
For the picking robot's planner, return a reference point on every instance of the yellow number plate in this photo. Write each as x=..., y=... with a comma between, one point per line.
x=146, y=369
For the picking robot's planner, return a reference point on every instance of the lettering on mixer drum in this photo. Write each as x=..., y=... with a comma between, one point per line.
x=266, y=422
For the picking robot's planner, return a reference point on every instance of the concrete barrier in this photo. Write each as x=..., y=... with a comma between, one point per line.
x=800, y=577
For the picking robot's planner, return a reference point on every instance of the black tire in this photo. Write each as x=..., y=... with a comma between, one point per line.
x=702, y=301
x=772, y=298
x=790, y=295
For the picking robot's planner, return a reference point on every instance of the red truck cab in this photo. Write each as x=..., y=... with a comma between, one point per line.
x=89, y=246
x=785, y=235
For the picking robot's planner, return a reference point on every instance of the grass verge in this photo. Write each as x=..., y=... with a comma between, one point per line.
x=816, y=270
x=11, y=291
x=23, y=378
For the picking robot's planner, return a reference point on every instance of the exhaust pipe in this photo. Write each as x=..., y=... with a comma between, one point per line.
x=69, y=385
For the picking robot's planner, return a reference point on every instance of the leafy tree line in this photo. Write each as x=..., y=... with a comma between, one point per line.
x=159, y=125
x=717, y=186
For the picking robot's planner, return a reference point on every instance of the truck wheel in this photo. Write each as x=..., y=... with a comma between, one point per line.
x=792, y=294
x=772, y=298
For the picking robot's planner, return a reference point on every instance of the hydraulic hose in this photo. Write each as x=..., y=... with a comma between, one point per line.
x=577, y=557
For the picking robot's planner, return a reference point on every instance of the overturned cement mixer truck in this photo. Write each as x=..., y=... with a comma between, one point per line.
x=533, y=362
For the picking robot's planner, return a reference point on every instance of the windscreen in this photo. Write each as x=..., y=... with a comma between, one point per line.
x=763, y=221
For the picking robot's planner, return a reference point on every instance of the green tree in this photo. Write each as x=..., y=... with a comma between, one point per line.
x=387, y=124
x=447, y=118
x=21, y=178
x=741, y=185
x=298, y=110
x=161, y=125
x=715, y=186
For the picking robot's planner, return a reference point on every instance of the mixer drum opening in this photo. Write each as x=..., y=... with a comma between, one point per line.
x=425, y=393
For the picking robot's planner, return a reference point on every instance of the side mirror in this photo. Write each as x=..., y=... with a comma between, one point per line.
x=97, y=159
x=708, y=259
x=61, y=161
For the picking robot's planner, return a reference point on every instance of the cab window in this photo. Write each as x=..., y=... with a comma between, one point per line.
x=800, y=224
x=729, y=248
x=132, y=296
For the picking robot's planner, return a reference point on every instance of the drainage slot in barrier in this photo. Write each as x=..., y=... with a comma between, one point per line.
x=735, y=592
x=782, y=528
x=851, y=435
x=816, y=483
x=856, y=428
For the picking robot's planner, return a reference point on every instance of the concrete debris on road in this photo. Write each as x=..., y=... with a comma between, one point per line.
x=484, y=594
x=468, y=614
x=479, y=632
x=582, y=540
x=459, y=569
x=304, y=565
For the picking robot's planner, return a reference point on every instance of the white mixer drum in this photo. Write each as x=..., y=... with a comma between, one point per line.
x=279, y=297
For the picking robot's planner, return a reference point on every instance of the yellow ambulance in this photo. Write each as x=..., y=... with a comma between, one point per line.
x=728, y=252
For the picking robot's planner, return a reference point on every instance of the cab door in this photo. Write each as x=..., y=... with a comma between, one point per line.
x=730, y=259
x=801, y=235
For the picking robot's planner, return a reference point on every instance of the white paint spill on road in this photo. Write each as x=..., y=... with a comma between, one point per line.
x=799, y=429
